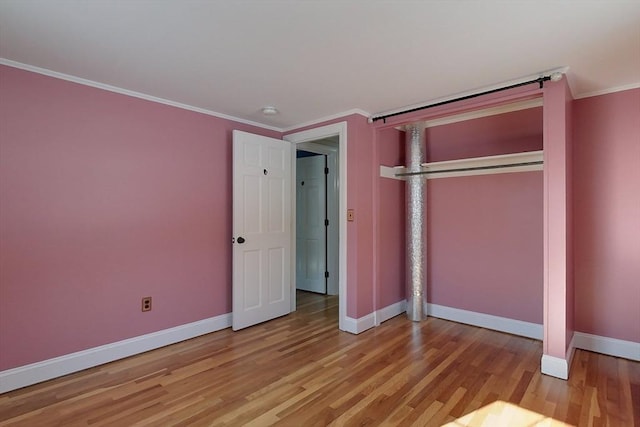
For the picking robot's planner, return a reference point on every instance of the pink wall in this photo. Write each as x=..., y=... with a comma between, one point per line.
x=484, y=233
x=390, y=222
x=570, y=325
x=607, y=215
x=558, y=265
x=360, y=233
x=484, y=250
x=362, y=175
x=106, y=199
x=513, y=132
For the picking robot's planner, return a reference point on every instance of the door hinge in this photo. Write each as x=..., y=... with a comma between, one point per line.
x=326, y=274
x=326, y=222
x=326, y=171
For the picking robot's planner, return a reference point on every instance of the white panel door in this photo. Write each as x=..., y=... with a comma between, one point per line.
x=311, y=237
x=261, y=229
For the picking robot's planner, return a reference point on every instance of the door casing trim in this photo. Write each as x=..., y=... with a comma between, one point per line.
x=337, y=129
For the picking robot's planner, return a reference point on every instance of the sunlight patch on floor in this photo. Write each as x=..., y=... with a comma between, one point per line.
x=499, y=413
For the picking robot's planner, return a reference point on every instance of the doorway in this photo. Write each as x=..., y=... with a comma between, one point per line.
x=330, y=140
x=317, y=231
x=311, y=222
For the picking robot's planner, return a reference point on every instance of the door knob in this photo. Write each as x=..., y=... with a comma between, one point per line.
x=240, y=239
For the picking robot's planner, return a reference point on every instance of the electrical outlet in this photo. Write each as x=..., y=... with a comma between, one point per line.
x=146, y=304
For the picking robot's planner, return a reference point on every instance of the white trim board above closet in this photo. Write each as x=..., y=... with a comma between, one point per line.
x=503, y=163
x=484, y=112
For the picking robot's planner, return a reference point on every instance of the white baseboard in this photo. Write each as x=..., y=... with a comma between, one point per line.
x=390, y=311
x=557, y=366
x=488, y=321
x=350, y=325
x=34, y=373
x=356, y=326
x=609, y=346
x=502, y=324
x=554, y=366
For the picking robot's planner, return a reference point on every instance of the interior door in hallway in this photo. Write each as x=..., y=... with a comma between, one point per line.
x=311, y=229
x=261, y=229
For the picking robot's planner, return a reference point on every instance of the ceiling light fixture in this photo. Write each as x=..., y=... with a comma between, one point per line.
x=269, y=110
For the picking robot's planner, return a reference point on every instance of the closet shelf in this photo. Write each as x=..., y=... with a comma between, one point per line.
x=504, y=163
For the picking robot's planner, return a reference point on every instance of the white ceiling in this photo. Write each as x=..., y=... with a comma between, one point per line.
x=313, y=59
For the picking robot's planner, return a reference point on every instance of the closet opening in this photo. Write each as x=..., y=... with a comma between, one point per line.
x=483, y=222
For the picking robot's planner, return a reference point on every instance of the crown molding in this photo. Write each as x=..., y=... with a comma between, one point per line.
x=326, y=119
x=127, y=92
x=608, y=91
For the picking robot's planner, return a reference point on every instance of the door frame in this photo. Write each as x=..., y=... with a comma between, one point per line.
x=339, y=130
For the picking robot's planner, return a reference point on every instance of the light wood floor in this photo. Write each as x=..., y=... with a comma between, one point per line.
x=299, y=370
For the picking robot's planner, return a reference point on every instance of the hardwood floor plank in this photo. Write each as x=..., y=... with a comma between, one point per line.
x=300, y=370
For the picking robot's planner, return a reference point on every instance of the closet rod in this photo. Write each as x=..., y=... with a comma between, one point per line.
x=510, y=165
x=540, y=80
